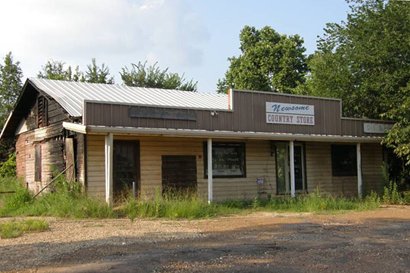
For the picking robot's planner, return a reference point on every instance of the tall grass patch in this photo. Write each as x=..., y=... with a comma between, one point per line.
x=314, y=202
x=13, y=229
x=64, y=200
x=174, y=206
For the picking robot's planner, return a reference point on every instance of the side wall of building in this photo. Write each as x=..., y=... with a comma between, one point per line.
x=49, y=142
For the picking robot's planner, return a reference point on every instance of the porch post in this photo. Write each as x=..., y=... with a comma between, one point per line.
x=292, y=168
x=359, y=171
x=109, y=168
x=209, y=156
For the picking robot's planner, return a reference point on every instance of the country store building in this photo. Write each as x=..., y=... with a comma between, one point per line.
x=223, y=146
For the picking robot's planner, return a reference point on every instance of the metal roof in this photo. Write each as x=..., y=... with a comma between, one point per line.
x=71, y=96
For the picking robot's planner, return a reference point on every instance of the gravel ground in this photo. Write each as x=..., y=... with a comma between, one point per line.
x=372, y=241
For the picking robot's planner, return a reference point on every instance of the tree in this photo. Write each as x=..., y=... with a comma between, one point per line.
x=96, y=74
x=55, y=70
x=10, y=89
x=398, y=137
x=366, y=60
x=268, y=61
x=10, y=86
x=152, y=76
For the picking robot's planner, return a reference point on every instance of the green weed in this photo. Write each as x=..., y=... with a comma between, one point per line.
x=13, y=229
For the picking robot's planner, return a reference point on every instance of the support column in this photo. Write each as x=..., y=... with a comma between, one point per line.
x=109, y=146
x=292, y=168
x=210, y=178
x=359, y=171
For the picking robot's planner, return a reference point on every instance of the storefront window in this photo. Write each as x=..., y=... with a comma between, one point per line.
x=228, y=159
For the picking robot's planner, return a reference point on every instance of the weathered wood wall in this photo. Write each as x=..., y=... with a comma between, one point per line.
x=51, y=140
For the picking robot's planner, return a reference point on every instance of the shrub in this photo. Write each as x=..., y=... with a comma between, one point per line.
x=8, y=168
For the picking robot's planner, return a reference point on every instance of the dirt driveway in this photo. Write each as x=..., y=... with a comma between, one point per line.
x=373, y=241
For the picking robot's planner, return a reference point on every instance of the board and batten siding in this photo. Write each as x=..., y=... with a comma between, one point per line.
x=259, y=163
x=319, y=170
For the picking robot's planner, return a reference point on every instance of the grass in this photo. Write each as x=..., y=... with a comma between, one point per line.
x=13, y=229
x=67, y=200
x=174, y=206
x=314, y=202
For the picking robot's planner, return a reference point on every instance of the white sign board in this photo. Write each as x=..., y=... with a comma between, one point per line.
x=286, y=113
x=376, y=128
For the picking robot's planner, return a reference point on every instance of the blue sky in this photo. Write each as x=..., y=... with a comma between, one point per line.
x=192, y=37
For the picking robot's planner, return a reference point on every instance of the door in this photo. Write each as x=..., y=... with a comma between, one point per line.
x=179, y=173
x=283, y=167
x=126, y=168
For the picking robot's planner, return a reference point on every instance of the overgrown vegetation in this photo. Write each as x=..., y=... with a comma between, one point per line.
x=174, y=206
x=67, y=200
x=13, y=229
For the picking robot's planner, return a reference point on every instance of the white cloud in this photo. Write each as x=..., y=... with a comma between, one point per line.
x=113, y=31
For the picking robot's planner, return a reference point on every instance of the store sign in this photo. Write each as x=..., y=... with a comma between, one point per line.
x=376, y=128
x=286, y=113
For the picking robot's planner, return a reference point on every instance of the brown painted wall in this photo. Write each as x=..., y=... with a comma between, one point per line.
x=249, y=114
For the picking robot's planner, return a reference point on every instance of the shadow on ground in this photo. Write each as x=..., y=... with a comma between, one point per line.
x=376, y=245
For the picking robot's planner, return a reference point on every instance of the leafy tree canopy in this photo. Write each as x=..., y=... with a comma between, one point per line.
x=10, y=89
x=142, y=75
x=98, y=74
x=365, y=60
x=10, y=86
x=57, y=70
x=268, y=61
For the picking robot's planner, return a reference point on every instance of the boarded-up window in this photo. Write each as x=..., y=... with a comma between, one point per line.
x=179, y=173
x=344, y=161
x=37, y=162
x=42, y=112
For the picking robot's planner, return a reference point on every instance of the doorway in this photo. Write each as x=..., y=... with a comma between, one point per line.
x=283, y=167
x=179, y=173
x=126, y=167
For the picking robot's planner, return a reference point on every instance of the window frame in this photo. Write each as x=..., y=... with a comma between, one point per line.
x=242, y=147
x=340, y=151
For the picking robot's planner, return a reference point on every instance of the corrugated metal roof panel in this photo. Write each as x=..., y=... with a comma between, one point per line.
x=71, y=95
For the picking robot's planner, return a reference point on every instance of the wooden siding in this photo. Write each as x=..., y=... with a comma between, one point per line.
x=95, y=166
x=319, y=170
x=372, y=168
x=355, y=127
x=259, y=163
x=249, y=114
x=80, y=158
x=51, y=140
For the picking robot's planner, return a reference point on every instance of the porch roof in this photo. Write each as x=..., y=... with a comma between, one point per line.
x=141, y=131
